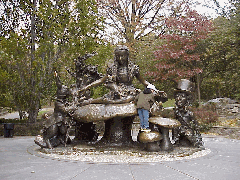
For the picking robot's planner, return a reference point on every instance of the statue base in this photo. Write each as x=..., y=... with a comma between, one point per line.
x=111, y=154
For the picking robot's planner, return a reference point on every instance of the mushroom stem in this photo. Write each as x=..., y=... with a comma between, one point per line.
x=165, y=144
x=153, y=146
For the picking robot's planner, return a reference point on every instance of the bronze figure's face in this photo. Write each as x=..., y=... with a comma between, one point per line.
x=121, y=55
x=181, y=99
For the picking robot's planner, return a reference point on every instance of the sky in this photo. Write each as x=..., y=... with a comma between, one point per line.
x=208, y=8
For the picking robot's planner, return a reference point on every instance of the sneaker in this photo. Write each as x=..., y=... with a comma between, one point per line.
x=145, y=129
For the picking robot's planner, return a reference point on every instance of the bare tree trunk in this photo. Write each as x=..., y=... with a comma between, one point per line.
x=32, y=117
x=198, y=90
x=34, y=104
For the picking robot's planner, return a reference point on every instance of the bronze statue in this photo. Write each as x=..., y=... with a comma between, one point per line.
x=54, y=133
x=118, y=79
x=56, y=127
x=85, y=74
x=115, y=108
x=188, y=133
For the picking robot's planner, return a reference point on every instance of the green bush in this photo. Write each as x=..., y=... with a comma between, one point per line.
x=15, y=121
x=28, y=129
x=23, y=129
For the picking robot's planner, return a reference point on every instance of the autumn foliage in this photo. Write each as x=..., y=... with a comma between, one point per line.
x=179, y=55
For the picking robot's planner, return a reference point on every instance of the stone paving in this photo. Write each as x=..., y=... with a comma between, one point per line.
x=19, y=160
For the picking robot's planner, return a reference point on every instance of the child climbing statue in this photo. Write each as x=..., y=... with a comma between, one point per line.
x=144, y=101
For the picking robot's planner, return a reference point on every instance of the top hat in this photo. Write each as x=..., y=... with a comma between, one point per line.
x=121, y=48
x=184, y=85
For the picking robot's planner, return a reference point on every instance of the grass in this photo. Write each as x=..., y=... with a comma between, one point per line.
x=169, y=103
x=41, y=113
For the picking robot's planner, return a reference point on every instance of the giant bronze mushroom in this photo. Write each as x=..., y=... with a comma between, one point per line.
x=164, y=124
x=150, y=139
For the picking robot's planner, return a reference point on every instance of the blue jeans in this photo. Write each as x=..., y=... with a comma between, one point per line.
x=144, y=116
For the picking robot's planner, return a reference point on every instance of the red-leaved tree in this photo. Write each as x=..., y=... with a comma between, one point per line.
x=179, y=54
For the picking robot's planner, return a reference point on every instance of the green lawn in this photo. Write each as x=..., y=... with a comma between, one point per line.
x=169, y=103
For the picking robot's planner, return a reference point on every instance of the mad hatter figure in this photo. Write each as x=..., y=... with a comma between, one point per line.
x=188, y=133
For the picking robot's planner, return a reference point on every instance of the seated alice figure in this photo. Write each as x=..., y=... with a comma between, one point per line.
x=144, y=101
x=119, y=77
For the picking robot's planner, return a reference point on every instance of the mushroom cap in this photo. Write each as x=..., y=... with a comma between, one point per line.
x=165, y=122
x=102, y=112
x=152, y=136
